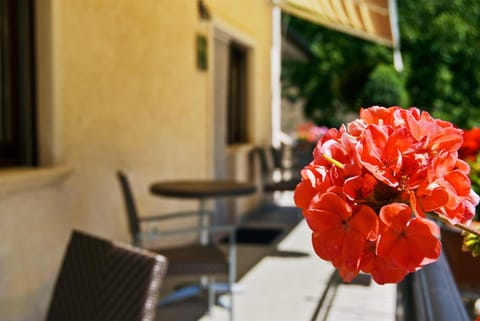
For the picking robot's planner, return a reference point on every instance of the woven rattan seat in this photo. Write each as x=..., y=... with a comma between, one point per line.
x=104, y=280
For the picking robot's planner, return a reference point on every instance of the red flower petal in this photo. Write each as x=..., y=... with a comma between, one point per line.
x=322, y=221
x=437, y=198
x=395, y=216
x=408, y=245
x=303, y=194
x=382, y=269
x=365, y=222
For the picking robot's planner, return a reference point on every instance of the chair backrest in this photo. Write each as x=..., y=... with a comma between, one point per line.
x=277, y=156
x=259, y=153
x=131, y=208
x=270, y=159
x=105, y=280
x=274, y=174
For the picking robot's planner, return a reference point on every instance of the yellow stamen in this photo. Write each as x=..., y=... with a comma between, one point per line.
x=333, y=161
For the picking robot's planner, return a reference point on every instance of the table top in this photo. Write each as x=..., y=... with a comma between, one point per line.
x=201, y=188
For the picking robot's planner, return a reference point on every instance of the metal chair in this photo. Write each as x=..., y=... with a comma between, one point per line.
x=274, y=176
x=105, y=280
x=186, y=260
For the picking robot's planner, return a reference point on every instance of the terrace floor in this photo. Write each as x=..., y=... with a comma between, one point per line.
x=283, y=280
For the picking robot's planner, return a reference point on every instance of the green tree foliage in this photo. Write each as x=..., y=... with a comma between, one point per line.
x=333, y=79
x=440, y=47
x=384, y=87
x=441, y=41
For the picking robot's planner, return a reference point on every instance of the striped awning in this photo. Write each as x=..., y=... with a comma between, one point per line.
x=374, y=20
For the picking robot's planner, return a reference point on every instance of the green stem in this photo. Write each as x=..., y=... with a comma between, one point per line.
x=463, y=227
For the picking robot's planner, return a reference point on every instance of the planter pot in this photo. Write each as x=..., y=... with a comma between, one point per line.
x=465, y=268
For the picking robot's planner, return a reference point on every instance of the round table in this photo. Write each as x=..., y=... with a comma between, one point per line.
x=202, y=189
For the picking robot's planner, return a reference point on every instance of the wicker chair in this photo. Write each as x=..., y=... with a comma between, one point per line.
x=105, y=280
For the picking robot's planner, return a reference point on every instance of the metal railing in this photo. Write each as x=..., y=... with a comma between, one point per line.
x=431, y=294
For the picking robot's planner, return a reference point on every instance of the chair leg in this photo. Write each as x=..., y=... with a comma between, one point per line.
x=230, y=308
x=232, y=272
x=211, y=293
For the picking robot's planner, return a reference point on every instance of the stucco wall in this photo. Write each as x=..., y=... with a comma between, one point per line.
x=119, y=82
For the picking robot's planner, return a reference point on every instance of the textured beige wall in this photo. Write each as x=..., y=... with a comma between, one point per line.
x=120, y=85
x=253, y=19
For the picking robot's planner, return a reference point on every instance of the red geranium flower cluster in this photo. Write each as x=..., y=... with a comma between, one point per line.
x=370, y=184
